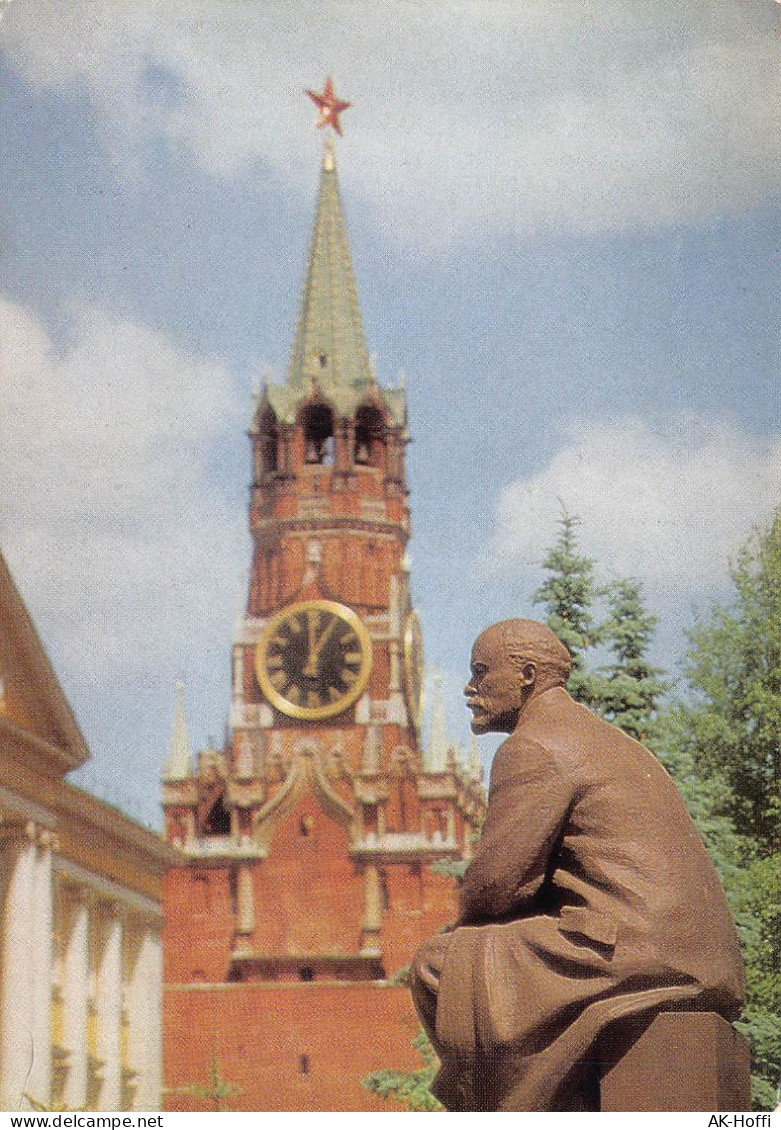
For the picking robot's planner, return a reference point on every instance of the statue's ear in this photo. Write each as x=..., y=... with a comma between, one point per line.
x=526, y=668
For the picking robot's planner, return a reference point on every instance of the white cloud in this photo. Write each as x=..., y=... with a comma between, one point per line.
x=668, y=504
x=109, y=517
x=512, y=114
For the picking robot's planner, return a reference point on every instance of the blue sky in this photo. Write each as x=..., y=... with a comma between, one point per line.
x=564, y=226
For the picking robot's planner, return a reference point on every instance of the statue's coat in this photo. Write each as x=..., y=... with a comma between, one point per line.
x=590, y=898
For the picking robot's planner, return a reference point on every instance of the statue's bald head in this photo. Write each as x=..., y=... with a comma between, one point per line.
x=512, y=661
x=529, y=641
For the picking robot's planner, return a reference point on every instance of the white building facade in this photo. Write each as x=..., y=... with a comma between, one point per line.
x=80, y=907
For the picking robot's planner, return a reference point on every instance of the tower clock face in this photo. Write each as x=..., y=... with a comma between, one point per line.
x=313, y=659
x=413, y=667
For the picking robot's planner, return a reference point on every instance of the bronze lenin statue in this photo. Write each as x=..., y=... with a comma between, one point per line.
x=590, y=898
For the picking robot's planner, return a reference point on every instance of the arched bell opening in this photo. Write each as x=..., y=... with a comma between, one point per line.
x=370, y=437
x=318, y=425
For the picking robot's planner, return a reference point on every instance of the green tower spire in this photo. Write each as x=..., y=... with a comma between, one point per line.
x=329, y=343
x=329, y=349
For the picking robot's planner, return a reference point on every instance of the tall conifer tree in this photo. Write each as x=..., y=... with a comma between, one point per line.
x=568, y=595
x=629, y=688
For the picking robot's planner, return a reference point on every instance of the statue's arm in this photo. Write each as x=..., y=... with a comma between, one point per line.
x=528, y=802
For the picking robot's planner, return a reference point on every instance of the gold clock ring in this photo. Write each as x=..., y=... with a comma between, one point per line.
x=276, y=666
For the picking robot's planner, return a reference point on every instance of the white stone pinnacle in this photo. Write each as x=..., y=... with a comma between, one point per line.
x=436, y=755
x=179, y=764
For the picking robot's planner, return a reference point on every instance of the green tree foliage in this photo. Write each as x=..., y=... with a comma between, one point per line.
x=218, y=1091
x=723, y=749
x=629, y=688
x=733, y=725
x=410, y=1088
x=761, y=1020
x=568, y=594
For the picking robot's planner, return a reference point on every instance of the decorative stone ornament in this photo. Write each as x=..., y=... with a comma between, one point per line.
x=414, y=671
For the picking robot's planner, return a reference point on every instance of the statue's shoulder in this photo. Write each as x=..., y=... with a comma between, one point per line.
x=521, y=758
x=563, y=728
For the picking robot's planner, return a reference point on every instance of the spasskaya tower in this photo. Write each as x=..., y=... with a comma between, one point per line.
x=308, y=840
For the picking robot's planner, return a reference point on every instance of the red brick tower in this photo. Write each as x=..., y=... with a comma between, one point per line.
x=309, y=838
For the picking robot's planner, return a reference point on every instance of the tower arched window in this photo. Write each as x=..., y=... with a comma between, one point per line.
x=369, y=437
x=318, y=424
x=216, y=819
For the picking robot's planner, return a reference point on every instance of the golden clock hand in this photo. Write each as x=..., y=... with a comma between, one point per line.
x=324, y=636
x=312, y=667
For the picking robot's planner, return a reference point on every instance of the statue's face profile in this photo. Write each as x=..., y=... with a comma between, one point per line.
x=497, y=689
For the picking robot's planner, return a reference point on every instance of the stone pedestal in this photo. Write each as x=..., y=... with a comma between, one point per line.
x=681, y=1061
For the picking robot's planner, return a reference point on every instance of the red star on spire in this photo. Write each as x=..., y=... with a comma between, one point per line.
x=329, y=107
